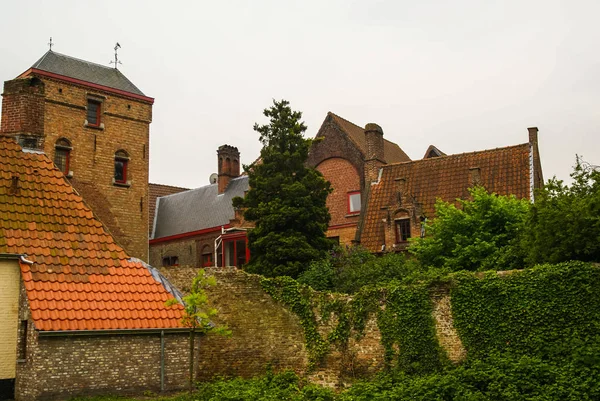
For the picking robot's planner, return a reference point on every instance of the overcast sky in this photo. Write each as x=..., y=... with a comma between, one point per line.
x=463, y=75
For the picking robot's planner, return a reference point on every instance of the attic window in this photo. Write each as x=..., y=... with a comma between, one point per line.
x=402, y=230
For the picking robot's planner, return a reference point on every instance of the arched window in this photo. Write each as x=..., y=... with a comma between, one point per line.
x=207, y=258
x=121, y=164
x=62, y=155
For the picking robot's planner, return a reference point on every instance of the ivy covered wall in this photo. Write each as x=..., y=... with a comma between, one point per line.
x=333, y=339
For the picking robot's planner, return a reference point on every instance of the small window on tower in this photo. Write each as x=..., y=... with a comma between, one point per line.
x=94, y=108
x=62, y=155
x=354, y=202
x=121, y=164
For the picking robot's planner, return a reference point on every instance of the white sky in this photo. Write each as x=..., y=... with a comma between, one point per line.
x=463, y=75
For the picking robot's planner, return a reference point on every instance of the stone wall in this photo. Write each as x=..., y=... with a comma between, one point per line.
x=266, y=333
x=188, y=250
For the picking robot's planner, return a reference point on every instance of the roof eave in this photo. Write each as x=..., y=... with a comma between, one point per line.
x=76, y=81
x=62, y=333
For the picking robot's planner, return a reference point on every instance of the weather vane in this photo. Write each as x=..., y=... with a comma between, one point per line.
x=50, y=43
x=117, y=61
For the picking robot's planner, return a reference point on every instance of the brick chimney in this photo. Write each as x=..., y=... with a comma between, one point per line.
x=23, y=111
x=229, y=165
x=374, y=156
x=537, y=178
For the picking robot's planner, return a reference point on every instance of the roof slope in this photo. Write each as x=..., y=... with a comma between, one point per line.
x=197, y=209
x=503, y=171
x=85, y=71
x=80, y=278
x=156, y=191
x=392, y=153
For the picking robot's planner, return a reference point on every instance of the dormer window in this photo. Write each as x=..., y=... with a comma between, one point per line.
x=402, y=230
x=94, y=110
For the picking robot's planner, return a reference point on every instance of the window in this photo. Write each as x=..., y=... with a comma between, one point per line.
x=402, y=230
x=94, y=108
x=121, y=161
x=62, y=155
x=170, y=261
x=354, y=202
x=206, y=260
x=235, y=252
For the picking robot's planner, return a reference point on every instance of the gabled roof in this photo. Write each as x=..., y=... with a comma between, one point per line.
x=433, y=151
x=80, y=278
x=71, y=67
x=392, y=153
x=156, y=191
x=504, y=171
x=197, y=209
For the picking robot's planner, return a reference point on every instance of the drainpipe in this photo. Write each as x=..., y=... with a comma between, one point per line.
x=162, y=360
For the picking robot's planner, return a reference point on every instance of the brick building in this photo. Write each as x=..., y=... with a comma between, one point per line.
x=404, y=194
x=94, y=124
x=349, y=157
x=199, y=227
x=78, y=315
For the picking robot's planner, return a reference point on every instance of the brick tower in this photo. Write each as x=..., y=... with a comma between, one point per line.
x=94, y=123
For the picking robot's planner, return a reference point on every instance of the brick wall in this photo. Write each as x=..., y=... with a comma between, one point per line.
x=123, y=209
x=265, y=333
x=188, y=250
x=344, y=179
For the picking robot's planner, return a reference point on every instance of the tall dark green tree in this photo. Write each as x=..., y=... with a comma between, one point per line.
x=286, y=199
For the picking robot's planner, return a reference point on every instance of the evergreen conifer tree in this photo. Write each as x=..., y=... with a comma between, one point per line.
x=286, y=199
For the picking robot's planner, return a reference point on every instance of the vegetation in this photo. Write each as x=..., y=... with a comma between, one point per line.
x=564, y=223
x=197, y=315
x=286, y=200
x=480, y=234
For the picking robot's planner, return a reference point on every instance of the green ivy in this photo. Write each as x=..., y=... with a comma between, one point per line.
x=403, y=316
x=540, y=311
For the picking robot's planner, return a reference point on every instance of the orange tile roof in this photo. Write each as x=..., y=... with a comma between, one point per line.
x=392, y=153
x=504, y=171
x=80, y=278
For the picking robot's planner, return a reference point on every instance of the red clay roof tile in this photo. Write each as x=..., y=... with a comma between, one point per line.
x=81, y=279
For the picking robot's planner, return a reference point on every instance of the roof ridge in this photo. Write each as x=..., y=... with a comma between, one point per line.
x=348, y=121
x=457, y=154
x=167, y=185
x=80, y=59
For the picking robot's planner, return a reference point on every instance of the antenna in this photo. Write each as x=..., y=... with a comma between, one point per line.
x=117, y=61
x=50, y=44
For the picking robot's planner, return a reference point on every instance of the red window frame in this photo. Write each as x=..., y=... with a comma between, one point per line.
x=208, y=262
x=125, y=161
x=349, y=204
x=98, y=112
x=234, y=239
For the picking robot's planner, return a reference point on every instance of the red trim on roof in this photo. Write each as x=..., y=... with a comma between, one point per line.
x=186, y=235
x=86, y=83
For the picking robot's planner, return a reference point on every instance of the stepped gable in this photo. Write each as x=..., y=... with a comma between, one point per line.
x=79, y=278
x=391, y=151
x=421, y=182
x=82, y=70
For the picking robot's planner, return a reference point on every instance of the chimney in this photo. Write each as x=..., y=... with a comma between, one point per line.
x=374, y=156
x=229, y=166
x=23, y=111
x=537, y=178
